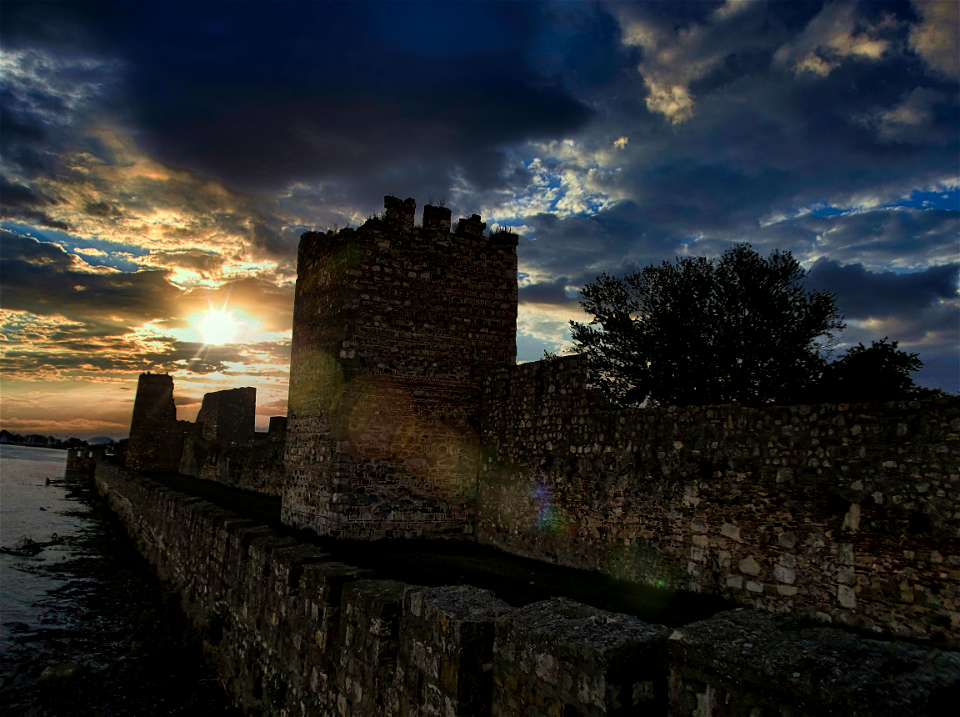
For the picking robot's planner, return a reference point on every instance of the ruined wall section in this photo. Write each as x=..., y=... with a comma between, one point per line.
x=228, y=415
x=84, y=460
x=237, y=456
x=393, y=326
x=845, y=513
x=255, y=465
x=156, y=437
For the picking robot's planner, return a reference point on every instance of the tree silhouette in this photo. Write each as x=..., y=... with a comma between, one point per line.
x=879, y=373
x=699, y=331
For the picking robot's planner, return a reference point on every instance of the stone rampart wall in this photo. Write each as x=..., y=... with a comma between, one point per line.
x=84, y=460
x=254, y=465
x=845, y=513
x=293, y=632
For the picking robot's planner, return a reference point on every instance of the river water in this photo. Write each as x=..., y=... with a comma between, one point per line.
x=34, y=511
x=85, y=626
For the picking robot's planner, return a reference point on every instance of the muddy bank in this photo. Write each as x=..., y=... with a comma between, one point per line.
x=112, y=639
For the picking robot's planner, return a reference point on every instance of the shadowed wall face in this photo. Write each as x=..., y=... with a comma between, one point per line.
x=393, y=327
x=156, y=439
x=229, y=415
x=845, y=513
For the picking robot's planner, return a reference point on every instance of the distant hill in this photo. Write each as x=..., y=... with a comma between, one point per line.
x=100, y=439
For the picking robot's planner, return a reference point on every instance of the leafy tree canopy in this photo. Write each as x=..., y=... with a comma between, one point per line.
x=700, y=331
x=879, y=373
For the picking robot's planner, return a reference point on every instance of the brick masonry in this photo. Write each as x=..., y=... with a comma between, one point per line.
x=394, y=327
x=847, y=514
x=293, y=632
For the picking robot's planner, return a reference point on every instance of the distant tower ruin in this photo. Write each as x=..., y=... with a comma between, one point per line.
x=228, y=415
x=156, y=439
x=394, y=326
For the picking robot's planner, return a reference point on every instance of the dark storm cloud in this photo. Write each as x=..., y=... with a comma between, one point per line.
x=896, y=236
x=45, y=280
x=198, y=261
x=23, y=203
x=553, y=292
x=754, y=132
x=862, y=294
x=616, y=135
x=262, y=96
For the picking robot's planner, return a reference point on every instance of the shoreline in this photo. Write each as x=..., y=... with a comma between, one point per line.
x=120, y=644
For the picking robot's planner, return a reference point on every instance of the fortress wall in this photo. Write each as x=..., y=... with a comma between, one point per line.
x=254, y=465
x=293, y=632
x=849, y=514
x=84, y=460
x=393, y=325
x=389, y=459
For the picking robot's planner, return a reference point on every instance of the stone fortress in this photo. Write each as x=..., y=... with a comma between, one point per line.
x=408, y=417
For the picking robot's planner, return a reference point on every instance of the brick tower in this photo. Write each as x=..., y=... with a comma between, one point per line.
x=156, y=439
x=394, y=325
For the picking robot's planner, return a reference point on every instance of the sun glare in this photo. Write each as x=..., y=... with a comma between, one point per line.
x=218, y=327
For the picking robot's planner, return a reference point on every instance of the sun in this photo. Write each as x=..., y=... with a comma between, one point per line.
x=218, y=327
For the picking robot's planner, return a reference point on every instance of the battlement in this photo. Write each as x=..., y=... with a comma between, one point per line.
x=436, y=219
x=399, y=213
x=335, y=251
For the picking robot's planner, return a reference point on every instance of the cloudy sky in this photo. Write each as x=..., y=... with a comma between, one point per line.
x=160, y=161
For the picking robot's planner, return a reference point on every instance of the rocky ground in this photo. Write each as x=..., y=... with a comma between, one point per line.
x=114, y=641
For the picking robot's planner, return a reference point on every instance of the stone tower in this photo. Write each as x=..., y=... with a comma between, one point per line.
x=394, y=326
x=156, y=439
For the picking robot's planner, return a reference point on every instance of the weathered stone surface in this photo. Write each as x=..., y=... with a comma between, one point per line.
x=561, y=657
x=446, y=648
x=746, y=663
x=831, y=511
x=369, y=629
x=394, y=325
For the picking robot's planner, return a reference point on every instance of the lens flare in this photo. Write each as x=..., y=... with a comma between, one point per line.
x=547, y=518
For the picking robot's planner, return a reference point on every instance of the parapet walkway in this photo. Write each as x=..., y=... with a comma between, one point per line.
x=434, y=563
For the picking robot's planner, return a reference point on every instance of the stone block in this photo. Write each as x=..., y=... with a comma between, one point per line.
x=368, y=649
x=590, y=661
x=446, y=648
x=756, y=663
